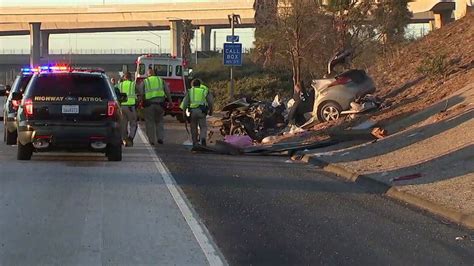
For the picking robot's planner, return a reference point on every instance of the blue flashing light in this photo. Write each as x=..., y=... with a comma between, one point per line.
x=29, y=70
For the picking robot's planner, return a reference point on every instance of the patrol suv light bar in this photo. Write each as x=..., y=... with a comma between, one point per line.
x=28, y=70
x=49, y=68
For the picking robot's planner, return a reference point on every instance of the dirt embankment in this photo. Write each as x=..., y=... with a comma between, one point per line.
x=425, y=71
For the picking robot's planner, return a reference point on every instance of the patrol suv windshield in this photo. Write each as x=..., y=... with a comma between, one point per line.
x=20, y=83
x=70, y=84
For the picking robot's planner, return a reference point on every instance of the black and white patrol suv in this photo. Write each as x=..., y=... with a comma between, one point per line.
x=69, y=110
x=11, y=107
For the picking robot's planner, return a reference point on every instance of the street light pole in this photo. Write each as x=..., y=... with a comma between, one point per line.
x=159, y=47
x=157, y=35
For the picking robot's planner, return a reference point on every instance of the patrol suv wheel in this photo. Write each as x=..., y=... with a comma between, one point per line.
x=24, y=151
x=10, y=137
x=114, y=152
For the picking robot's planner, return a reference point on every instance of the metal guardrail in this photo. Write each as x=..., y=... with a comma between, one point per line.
x=98, y=51
x=87, y=51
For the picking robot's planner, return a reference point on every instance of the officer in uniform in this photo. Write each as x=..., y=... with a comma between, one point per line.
x=129, y=124
x=199, y=102
x=153, y=94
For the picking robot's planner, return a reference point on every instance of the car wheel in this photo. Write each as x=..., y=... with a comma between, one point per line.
x=24, y=151
x=329, y=112
x=114, y=153
x=180, y=118
x=10, y=137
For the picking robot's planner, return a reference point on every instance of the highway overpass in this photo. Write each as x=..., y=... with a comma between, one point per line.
x=40, y=22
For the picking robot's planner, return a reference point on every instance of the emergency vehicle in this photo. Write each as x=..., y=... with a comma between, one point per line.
x=173, y=71
x=69, y=109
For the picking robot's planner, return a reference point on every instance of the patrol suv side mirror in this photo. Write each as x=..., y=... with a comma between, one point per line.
x=17, y=96
x=8, y=88
x=122, y=97
x=3, y=92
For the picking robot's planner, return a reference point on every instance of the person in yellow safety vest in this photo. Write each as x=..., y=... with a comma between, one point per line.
x=199, y=102
x=153, y=93
x=129, y=123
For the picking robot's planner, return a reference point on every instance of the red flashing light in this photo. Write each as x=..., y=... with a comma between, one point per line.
x=111, y=108
x=28, y=105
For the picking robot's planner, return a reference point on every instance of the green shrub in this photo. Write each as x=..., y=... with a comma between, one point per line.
x=249, y=79
x=433, y=65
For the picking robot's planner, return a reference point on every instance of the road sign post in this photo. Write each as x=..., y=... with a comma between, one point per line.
x=232, y=57
x=232, y=54
x=233, y=51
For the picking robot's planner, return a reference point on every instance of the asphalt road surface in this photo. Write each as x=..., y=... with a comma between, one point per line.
x=266, y=210
x=80, y=209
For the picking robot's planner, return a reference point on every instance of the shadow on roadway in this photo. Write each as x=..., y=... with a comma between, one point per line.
x=401, y=140
x=252, y=172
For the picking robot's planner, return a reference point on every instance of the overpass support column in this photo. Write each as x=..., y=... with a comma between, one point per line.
x=176, y=31
x=442, y=18
x=35, y=43
x=44, y=44
x=205, y=38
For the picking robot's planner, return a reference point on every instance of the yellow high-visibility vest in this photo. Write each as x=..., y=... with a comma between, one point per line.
x=154, y=87
x=128, y=87
x=198, y=96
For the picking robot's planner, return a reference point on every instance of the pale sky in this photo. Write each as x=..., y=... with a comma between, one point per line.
x=99, y=42
x=83, y=43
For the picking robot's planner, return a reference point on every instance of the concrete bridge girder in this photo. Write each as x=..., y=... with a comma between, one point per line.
x=442, y=10
x=35, y=43
x=53, y=28
x=39, y=38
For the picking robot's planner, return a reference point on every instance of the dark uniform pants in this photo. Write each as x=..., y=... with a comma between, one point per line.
x=154, y=124
x=198, y=118
x=129, y=123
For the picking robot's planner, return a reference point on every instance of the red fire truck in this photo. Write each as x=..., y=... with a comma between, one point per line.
x=173, y=71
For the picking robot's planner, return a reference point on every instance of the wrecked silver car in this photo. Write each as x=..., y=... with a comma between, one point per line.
x=333, y=96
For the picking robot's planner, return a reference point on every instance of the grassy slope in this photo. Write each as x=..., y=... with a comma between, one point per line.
x=394, y=74
x=250, y=80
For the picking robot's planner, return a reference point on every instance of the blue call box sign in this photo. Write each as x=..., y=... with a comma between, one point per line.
x=232, y=38
x=232, y=54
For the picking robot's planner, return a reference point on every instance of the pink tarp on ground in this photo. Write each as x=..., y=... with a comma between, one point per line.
x=239, y=141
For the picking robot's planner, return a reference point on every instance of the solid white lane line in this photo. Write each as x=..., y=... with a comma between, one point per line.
x=198, y=229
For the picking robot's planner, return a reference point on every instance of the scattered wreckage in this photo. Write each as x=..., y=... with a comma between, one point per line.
x=258, y=127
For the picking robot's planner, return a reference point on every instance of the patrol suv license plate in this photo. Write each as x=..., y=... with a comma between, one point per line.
x=70, y=109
